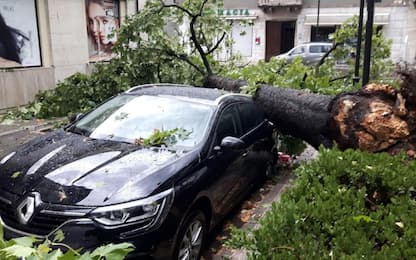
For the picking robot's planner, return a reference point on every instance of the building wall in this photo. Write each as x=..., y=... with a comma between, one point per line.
x=410, y=36
x=68, y=36
x=397, y=17
x=63, y=36
x=64, y=46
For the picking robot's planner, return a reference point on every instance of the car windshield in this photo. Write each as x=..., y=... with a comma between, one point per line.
x=129, y=118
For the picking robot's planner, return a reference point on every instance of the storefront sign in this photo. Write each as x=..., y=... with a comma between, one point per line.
x=233, y=12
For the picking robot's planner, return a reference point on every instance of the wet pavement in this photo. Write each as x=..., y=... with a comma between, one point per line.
x=19, y=132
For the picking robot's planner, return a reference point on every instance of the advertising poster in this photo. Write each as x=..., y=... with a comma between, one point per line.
x=19, y=38
x=102, y=22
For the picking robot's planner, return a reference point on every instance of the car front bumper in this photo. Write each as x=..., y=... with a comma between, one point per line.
x=85, y=234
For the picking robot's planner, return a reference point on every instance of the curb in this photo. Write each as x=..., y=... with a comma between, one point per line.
x=272, y=196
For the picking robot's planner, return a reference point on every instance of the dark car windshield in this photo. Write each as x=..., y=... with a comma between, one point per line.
x=129, y=118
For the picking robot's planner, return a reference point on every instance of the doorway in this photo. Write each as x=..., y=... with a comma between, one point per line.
x=280, y=37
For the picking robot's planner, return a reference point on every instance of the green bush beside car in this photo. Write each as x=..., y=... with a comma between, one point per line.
x=344, y=205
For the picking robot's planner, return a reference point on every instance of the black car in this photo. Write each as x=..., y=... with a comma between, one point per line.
x=98, y=184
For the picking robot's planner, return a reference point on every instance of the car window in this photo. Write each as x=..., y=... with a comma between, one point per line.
x=326, y=48
x=226, y=124
x=319, y=48
x=250, y=116
x=298, y=50
x=130, y=118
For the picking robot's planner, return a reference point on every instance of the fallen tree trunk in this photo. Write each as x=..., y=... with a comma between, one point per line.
x=298, y=113
x=375, y=118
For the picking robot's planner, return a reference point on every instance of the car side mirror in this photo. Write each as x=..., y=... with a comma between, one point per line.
x=75, y=117
x=232, y=143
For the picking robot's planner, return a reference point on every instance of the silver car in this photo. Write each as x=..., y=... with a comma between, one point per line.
x=311, y=53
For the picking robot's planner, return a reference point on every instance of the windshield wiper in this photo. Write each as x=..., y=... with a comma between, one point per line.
x=80, y=131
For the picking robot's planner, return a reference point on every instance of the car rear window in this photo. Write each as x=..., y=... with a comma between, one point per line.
x=319, y=48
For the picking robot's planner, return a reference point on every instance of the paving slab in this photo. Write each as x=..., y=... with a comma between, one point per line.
x=19, y=132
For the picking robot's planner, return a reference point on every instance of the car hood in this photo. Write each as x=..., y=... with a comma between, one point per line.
x=67, y=168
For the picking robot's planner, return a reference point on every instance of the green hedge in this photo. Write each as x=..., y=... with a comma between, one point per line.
x=344, y=205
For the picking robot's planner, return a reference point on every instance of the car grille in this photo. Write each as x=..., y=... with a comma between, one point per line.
x=40, y=224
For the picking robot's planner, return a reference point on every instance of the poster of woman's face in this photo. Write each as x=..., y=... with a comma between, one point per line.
x=19, y=38
x=102, y=23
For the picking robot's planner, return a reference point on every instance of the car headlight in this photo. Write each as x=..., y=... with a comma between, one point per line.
x=145, y=213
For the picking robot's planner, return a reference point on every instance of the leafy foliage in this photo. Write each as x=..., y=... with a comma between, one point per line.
x=165, y=137
x=32, y=249
x=344, y=205
x=153, y=46
x=328, y=78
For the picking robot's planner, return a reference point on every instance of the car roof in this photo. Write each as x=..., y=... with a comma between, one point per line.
x=315, y=43
x=212, y=95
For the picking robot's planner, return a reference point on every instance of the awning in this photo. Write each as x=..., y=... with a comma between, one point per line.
x=334, y=19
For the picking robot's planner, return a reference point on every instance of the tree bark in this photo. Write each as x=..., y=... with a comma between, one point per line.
x=295, y=112
x=376, y=118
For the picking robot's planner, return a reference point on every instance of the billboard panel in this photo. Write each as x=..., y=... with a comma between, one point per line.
x=103, y=20
x=19, y=38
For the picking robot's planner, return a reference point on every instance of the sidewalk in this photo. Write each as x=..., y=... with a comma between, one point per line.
x=19, y=132
x=252, y=210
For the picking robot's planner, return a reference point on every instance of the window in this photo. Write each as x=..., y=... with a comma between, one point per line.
x=250, y=116
x=19, y=41
x=226, y=125
x=298, y=50
x=242, y=39
x=319, y=48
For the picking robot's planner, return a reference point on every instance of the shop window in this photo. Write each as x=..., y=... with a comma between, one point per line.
x=322, y=34
x=19, y=39
x=242, y=36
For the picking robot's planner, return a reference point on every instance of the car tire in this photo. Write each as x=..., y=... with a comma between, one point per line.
x=191, y=237
x=270, y=169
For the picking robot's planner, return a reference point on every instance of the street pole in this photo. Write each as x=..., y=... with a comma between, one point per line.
x=317, y=21
x=356, y=78
x=368, y=38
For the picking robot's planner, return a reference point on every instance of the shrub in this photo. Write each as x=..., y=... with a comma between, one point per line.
x=344, y=205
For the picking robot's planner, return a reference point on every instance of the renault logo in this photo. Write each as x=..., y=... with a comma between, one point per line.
x=26, y=209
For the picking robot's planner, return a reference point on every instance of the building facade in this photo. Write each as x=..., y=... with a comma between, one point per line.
x=279, y=25
x=50, y=40
x=54, y=39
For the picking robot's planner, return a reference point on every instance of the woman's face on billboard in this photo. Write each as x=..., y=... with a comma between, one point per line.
x=100, y=23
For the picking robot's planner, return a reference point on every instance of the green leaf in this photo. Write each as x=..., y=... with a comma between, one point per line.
x=59, y=236
x=54, y=255
x=71, y=255
x=112, y=251
x=16, y=174
x=363, y=218
x=18, y=251
x=24, y=241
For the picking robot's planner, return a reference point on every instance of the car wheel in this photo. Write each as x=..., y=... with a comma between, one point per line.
x=270, y=169
x=191, y=237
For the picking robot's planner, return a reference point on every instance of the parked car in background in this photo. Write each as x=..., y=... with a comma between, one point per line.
x=98, y=183
x=311, y=53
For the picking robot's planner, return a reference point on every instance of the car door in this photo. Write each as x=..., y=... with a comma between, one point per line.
x=225, y=166
x=296, y=52
x=256, y=132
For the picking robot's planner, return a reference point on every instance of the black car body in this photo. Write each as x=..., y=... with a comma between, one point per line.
x=99, y=188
